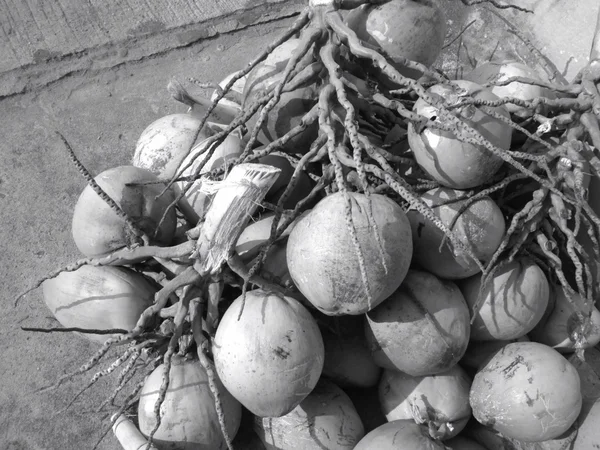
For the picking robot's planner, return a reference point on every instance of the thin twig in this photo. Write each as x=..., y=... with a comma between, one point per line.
x=75, y=329
x=496, y=5
x=494, y=51
x=459, y=34
x=458, y=59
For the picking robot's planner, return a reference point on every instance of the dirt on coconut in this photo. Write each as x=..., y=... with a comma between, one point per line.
x=102, y=114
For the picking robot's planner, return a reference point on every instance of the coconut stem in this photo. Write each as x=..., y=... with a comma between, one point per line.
x=222, y=114
x=128, y=435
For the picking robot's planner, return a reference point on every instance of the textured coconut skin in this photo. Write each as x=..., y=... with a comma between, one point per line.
x=290, y=108
x=527, y=391
x=426, y=311
x=330, y=278
x=325, y=419
x=163, y=145
x=98, y=297
x=560, y=321
x=481, y=226
x=443, y=157
x=495, y=71
x=98, y=230
x=188, y=409
x=271, y=358
x=409, y=29
x=491, y=439
x=514, y=301
x=440, y=402
x=399, y=435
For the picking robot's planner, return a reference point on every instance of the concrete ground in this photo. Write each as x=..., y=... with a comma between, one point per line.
x=102, y=111
x=45, y=41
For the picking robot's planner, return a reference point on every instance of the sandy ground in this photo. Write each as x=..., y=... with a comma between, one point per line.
x=102, y=114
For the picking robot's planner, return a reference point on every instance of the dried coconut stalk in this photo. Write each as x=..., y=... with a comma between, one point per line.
x=223, y=114
x=236, y=199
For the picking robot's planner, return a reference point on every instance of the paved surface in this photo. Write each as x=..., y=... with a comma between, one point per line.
x=68, y=36
x=102, y=109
